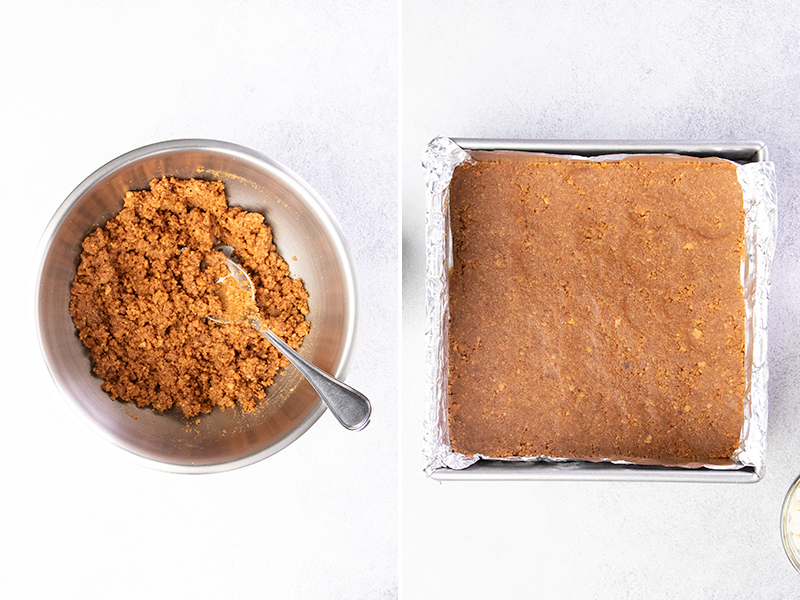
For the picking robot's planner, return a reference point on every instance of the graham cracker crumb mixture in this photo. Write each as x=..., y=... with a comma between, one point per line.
x=596, y=310
x=237, y=301
x=147, y=284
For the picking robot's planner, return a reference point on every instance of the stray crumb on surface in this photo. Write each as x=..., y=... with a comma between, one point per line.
x=147, y=284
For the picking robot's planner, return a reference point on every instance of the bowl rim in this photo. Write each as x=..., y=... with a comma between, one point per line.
x=791, y=552
x=293, y=180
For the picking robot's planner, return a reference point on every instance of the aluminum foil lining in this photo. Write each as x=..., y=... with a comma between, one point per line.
x=440, y=159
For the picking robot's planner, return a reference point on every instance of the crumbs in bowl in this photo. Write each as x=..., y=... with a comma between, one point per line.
x=147, y=284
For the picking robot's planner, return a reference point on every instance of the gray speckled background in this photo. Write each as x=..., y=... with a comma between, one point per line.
x=306, y=84
x=602, y=70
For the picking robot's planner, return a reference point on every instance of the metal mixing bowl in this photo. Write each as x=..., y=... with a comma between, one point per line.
x=303, y=227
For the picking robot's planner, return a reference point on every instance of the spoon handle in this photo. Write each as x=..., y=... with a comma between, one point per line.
x=349, y=406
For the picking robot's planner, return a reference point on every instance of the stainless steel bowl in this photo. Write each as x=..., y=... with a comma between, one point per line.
x=303, y=228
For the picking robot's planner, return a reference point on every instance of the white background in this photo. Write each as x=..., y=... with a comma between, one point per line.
x=312, y=85
x=601, y=70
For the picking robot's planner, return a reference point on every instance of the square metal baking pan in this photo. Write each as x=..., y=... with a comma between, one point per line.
x=741, y=152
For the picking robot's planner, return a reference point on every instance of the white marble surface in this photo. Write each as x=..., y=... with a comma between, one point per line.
x=601, y=70
x=310, y=84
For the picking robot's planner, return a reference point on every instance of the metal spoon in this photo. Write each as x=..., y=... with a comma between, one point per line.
x=349, y=406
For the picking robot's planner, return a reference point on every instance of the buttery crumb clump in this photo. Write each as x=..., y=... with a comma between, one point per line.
x=147, y=284
x=237, y=302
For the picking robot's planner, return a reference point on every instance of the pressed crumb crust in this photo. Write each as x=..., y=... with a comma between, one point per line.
x=147, y=284
x=596, y=310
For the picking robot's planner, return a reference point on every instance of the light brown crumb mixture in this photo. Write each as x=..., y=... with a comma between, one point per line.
x=237, y=301
x=147, y=285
